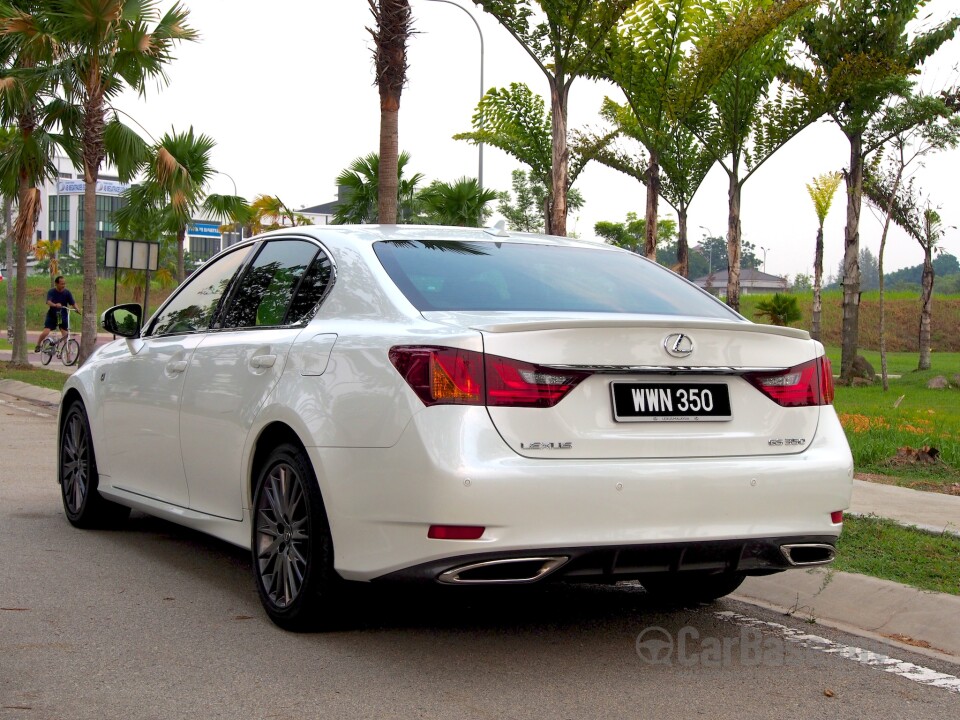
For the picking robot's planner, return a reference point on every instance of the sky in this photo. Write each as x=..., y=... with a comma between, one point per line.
x=287, y=90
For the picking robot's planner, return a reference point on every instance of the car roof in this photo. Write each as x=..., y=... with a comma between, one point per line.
x=369, y=234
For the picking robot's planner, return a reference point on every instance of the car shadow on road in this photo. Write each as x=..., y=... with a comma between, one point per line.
x=370, y=607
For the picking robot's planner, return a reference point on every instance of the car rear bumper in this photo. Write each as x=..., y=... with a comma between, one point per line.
x=450, y=467
x=756, y=556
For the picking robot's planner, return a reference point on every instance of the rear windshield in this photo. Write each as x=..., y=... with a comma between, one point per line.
x=451, y=275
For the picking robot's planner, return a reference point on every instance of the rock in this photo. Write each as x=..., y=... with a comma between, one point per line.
x=861, y=382
x=956, y=379
x=938, y=383
x=863, y=369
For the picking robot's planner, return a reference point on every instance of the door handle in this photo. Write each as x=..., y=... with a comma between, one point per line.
x=178, y=366
x=262, y=361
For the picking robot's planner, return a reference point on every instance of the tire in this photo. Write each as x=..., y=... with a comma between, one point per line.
x=78, y=478
x=292, y=547
x=71, y=352
x=47, y=349
x=691, y=588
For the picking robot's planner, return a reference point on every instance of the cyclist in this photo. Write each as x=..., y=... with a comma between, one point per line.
x=58, y=300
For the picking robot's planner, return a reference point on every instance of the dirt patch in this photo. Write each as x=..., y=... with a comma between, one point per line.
x=925, y=485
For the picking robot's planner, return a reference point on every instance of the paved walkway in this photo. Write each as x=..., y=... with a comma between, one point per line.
x=927, y=622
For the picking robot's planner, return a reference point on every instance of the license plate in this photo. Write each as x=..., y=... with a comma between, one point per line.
x=670, y=402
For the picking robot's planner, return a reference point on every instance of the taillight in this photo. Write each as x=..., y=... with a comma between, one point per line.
x=518, y=384
x=810, y=383
x=443, y=376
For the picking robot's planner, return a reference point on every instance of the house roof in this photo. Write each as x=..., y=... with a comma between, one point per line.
x=324, y=209
x=748, y=276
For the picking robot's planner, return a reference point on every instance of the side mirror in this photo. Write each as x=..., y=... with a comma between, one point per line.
x=123, y=320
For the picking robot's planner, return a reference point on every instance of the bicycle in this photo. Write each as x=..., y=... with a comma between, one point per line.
x=66, y=348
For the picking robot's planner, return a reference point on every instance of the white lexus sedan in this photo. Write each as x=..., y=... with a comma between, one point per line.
x=459, y=406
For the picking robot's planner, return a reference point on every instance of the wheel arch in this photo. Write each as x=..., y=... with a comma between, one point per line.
x=272, y=435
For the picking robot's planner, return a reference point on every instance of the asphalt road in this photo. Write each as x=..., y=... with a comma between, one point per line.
x=154, y=621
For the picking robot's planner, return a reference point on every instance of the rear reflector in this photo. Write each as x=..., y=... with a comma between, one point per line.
x=450, y=376
x=455, y=532
x=836, y=517
x=810, y=383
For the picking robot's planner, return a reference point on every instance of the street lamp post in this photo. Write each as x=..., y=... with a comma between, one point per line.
x=470, y=15
x=710, y=256
x=764, y=258
x=239, y=226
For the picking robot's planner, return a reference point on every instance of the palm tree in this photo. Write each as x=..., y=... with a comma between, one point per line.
x=860, y=56
x=462, y=202
x=269, y=212
x=179, y=172
x=393, y=19
x=108, y=45
x=821, y=190
x=25, y=163
x=565, y=39
x=361, y=180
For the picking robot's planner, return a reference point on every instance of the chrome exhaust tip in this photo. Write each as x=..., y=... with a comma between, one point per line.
x=804, y=554
x=501, y=572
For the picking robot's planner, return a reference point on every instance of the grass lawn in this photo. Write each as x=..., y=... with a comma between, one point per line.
x=878, y=423
x=882, y=548
x=35, y=376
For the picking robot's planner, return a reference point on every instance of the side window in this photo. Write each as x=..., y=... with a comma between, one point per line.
x=311, y=290
x=267, y=287
x=194, y=306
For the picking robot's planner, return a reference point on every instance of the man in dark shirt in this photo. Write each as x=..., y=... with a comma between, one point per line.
x=58, y=300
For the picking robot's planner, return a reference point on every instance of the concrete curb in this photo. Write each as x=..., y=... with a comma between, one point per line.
x=32, y=393
x=881, y=608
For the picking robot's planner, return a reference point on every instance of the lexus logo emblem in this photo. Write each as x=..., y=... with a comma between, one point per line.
x=678, y=345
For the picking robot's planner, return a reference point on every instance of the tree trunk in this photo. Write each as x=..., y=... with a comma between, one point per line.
x=683, y=248
x=733, y=243
x=181, y=241
x=88, y=325
x=926, y=307
x=8, y=244
x=851, y=261
x=816, y=331
x=389, y=155
x=884, y=379
x=560, y=157
x=653, y=195
x=26, y=226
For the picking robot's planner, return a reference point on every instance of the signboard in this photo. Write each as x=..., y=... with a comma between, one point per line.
x=204, y=229
x=104, y=187
x=132, y=254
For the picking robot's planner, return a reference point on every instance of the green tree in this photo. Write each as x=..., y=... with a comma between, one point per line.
x=177, y=175
x=393, y=21
x=781, y=309
x=821, y=190
x=860, y=55
x=25, y=105
x=362, y=181
x=747, y=121
x=683, y=160
x=526, y=211
x=563, y=38
x=462, y=202
x=631, y=234
x=106, y=47
x=650, y=56
x=881, y=189
x=269, y=212
x=515, y=120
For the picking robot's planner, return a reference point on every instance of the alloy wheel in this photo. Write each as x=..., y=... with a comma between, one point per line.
x=282, y=535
